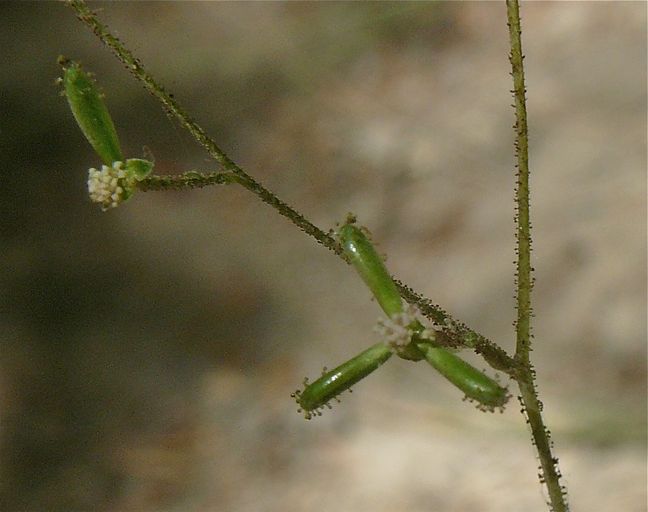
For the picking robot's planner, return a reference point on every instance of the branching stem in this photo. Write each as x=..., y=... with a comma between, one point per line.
x=456, y=334
x=189, y=179
x=531, y=405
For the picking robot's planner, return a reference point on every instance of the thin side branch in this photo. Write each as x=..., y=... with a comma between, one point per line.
x=189, y=179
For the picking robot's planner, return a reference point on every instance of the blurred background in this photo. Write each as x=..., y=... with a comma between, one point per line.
x=148, y=353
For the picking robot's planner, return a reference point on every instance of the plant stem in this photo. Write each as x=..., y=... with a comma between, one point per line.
x=523, y=231
x=457, y=334
x=189, y=179
x=550, y=474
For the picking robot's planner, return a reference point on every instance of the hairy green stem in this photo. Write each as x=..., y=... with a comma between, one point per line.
x=549, y=471
x=189, y=179
x=457, y=334
x=531, y=405
x=523, y=231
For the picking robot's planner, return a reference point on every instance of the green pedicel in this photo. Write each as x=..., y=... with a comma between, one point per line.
x=318, y=394
x=90, y=112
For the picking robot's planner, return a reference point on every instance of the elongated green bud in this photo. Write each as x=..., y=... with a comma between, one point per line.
x=90, y=112
x=317, y=395
x=370, y=266
x=475, y=384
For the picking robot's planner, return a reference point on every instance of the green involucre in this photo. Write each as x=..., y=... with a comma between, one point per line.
x=371, y=268
x=90, y=112
x=138, y=168
x=474, y=383
x=332, y=383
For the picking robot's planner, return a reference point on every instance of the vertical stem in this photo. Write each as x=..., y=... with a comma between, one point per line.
x=523, y=229
x=550, y=474
x=549, y=471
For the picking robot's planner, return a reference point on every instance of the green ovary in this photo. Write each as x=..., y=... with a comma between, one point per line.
x=334, y=382
x=474, y=383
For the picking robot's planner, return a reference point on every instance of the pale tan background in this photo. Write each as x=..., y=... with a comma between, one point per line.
x=148, y=353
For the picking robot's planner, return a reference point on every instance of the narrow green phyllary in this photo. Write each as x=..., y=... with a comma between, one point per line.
x=406, y=330
x=115, y=181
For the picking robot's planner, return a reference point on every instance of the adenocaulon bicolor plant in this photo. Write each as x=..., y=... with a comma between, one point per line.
x=115, y=181
x=403, y=333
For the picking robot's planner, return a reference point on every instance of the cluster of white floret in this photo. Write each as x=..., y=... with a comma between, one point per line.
x=398, y=331
x=108, y=185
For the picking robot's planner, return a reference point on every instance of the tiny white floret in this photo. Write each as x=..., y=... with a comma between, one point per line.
x=397, y=330
x=108, y=185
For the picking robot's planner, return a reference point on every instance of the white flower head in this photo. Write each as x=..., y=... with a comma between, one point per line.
x=398, y=330
x=109, y=186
